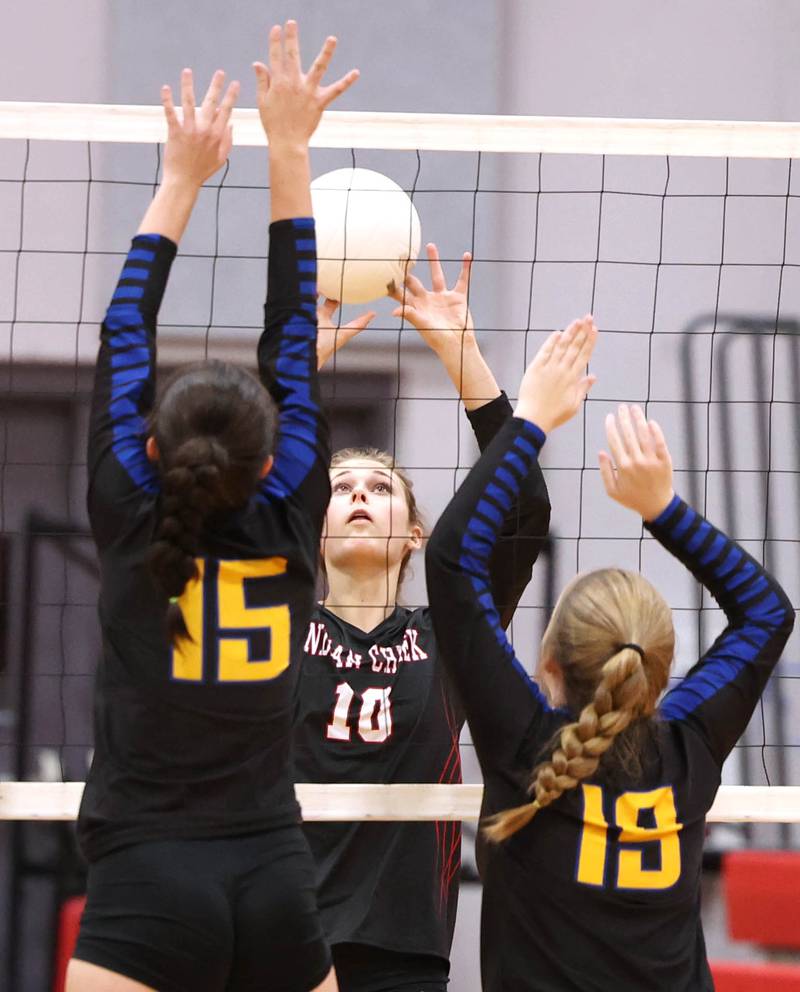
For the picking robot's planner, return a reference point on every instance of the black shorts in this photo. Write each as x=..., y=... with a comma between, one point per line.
x=235, y=914
x=363, y=968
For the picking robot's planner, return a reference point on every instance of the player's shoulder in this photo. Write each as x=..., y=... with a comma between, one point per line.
x=416, y=616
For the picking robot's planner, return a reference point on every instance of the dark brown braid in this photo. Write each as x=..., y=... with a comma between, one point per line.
x=214, y=430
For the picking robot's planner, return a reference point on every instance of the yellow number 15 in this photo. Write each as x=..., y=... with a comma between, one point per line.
x=631, y=873
x=220, y=624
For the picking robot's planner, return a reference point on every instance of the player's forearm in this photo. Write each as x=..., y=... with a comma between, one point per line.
x=124, y=385
x=759, y=613
x=290, y=181
x=469, y=373
x=522, y=538
x=474, y=650
x=170, y=209
x=718, y=696
x=733, y=577
x=469, y=528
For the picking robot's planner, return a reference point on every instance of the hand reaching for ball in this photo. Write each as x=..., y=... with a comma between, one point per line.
x=555, y=383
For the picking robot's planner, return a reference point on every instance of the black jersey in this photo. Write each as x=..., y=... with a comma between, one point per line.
x=193, y=740
x=601, y=890
x=376, y=707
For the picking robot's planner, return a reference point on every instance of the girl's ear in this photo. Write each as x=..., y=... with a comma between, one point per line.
x=550, y=677
x=415, y=538
x=151, y=449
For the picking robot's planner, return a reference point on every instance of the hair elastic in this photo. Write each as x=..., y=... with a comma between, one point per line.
x=634, y=647
x=174, y=599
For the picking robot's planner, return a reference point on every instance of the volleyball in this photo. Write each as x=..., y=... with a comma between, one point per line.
x=368, y=234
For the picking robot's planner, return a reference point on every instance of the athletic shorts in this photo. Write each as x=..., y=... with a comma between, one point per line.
x=363, y=968
x=234, y=914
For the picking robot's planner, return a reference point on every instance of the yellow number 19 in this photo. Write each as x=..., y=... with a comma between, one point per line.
x=631, y=873
x=218, y=602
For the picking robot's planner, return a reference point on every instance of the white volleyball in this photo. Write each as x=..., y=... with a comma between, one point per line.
x=368, y=234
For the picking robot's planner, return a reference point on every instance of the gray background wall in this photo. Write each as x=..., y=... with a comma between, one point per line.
x=688, y=59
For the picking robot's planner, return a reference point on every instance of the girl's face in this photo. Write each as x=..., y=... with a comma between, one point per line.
x=367, y=519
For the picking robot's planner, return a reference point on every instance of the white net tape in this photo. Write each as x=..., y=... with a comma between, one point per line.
x=733, y=804
x=429, y=132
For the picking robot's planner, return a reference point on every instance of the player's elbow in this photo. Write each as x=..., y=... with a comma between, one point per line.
x=441, y=554
x=778, y=614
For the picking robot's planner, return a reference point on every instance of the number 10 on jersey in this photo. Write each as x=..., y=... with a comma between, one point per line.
x=374, y=716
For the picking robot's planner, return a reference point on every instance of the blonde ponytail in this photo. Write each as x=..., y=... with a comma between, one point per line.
x=605, y=606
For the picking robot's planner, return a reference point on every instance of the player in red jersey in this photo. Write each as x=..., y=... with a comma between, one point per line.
x=374, y=704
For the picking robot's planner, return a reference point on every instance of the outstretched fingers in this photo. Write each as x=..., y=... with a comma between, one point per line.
x=328, y=308
x=361, y=322
x=187, y=98
x=579, y=342
x=615, y=442
x=328, y=94
x=462, y=283
x=408, y=313
x=628, y=432
x=169, y=108
x=569, y=342
x=276, y=48
x=411, y=286
x=584, y=386
x=320, y=64
x=438, y=284
x=548, y=349
x=659, y=441
x=213, y=93
x=607, y=473
x=642, y=430
x=291, y=50
x=589, y=341
x=263, y=80
x=226, y=106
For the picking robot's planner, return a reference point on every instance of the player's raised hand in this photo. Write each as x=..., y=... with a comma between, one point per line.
x=638, y=472
x=331, y=338
x=199, y=143
x=441, y=315
x=555, y=383
x=291, y=102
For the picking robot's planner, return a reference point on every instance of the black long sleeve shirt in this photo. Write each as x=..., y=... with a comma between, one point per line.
x=193, y=741
x=601, y=891
x=378, y=707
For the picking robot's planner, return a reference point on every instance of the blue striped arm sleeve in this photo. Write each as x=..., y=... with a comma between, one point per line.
x=500, y=699
x=124, y=384
x=287, y=358
x=719, y=694
x=524, y=527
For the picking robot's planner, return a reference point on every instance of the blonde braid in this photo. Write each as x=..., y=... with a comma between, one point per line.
x=622, y=694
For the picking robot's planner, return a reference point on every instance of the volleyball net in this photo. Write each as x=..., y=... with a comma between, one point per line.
x=683, y=239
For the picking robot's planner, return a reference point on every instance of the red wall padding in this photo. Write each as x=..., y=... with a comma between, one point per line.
x=69, y=922
x=740, y=976
x=762, y=896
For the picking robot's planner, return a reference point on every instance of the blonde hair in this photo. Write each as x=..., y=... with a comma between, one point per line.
x=383, y=458
x=612, y=686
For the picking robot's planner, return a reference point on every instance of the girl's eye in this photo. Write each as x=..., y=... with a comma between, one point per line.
x=341, y=487
x=382, y=487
